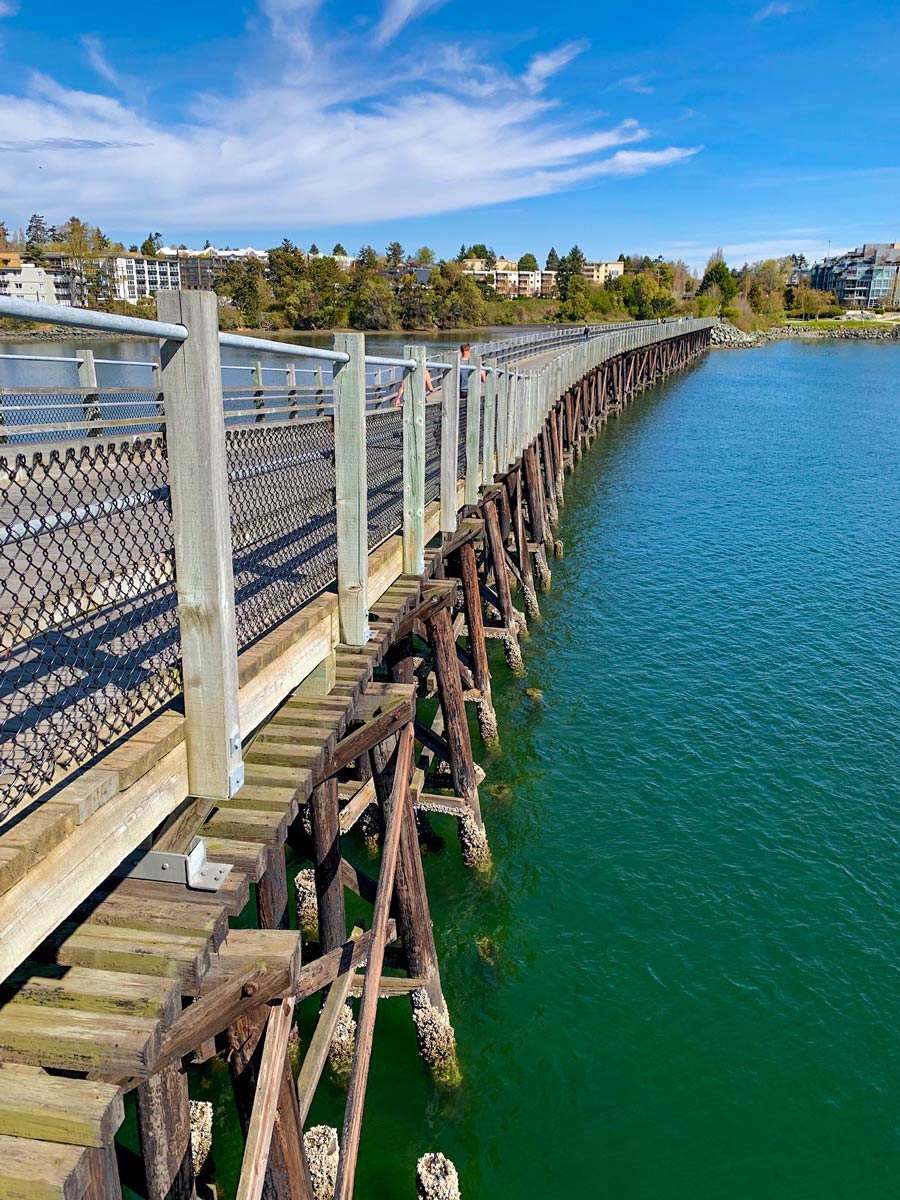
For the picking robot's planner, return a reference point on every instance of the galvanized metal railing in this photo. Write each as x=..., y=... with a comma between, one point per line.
x=149, y=534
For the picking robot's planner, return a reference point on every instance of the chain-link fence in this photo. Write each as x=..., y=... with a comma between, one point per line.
x=87, y=599
x=283, y=526
x=384, y=464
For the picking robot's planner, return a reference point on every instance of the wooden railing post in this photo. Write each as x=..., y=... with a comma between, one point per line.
x=502, y=421
x=449, y=442
x=351, y=486
x=191, y=379
x=87, y=378
x=414, y=464
x=473, y=429
x=258, y=388
x=488, y=452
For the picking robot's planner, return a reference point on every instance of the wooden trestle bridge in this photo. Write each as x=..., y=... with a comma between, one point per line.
x=220, y=609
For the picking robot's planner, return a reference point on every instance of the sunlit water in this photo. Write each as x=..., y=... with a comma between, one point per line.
x=682, y=980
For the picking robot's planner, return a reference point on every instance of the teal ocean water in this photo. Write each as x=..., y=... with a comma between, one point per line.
x=683, y=980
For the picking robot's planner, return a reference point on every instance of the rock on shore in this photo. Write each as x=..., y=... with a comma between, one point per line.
x=731, y=338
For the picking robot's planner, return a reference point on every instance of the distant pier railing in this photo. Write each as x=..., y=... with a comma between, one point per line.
x=147, y=534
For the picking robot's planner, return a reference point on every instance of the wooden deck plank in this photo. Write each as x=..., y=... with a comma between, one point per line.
x=83, y=988
x=31, y=1170
x=71, y=1040
x=49, y=1108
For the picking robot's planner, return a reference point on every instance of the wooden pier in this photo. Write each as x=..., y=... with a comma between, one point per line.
x=124, y=871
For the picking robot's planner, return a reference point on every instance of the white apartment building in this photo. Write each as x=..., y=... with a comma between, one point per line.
x=508, y=281
x=23, y=280
x=134, y=276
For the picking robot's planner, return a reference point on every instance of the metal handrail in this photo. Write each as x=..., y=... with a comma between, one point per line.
x=87, y=318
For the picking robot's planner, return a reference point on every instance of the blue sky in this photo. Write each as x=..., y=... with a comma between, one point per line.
x=761, y=127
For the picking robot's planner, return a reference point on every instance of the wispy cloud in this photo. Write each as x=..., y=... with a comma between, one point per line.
x=544, y=66
x=776, y=8
x=636, y=84
x=399, y=13
x=373, y=136
x=98, y=61
x=8, y=8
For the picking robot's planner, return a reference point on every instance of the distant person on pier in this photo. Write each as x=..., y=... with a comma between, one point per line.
x=465, y=353
x=587, y=333
x=429, y=387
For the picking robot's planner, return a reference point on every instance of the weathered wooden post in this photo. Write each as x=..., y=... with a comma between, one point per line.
x=488, y=453
x=164, y=1124
x=290, y=380
x=258, y=389
x=414, y=464
x=502, y=438
x=449, y=443
x=87, y=378
x=473, y=430
x=351, y=487
x=191, y=379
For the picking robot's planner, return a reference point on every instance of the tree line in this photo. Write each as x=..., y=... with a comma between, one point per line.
x=306, y=289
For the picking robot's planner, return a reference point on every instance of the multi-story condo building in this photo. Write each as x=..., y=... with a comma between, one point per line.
x=24, y=280
x=597, y=273
x=867, y=277
x=508, y=281
x=198, y=268
x=133, y=276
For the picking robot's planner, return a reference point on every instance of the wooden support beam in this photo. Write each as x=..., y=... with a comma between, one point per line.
x=394, y=716
x=164, y=1123
x=265, y=1105
x=357, y=805
x=323, y=971
x=325, y=819
x=366, y=1023
x=438, y=596
x=317, y=1052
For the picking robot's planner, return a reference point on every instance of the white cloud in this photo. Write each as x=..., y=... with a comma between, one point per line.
x=338, y=142
x=397, y=14
x=98, y=61
x=636, y=84
x=774, y=9
x=8, y=8
x=544, y=66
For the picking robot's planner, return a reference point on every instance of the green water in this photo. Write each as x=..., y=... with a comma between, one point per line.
x=690, y=984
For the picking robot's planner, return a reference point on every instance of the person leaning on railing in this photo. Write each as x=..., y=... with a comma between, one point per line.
x=429, y=387
x=465, y=353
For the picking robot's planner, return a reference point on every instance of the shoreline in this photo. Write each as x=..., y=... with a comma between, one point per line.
x=736, y=337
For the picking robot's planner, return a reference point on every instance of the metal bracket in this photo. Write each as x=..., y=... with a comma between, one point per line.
x=192, y=870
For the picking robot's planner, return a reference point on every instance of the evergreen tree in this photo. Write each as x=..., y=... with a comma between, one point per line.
x=339, y=250
x=314, y=251
x=4, y=236
x=367, y=259
x=570, y=267
x=394, y=254
x=37, y=230
x=529, y=263
x=151, y=244
x=424, y=256
x=718, y=275
x=463, y=253
x=552, y=260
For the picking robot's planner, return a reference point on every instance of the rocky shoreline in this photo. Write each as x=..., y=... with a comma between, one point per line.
x=66, y=333
x=731, y=338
